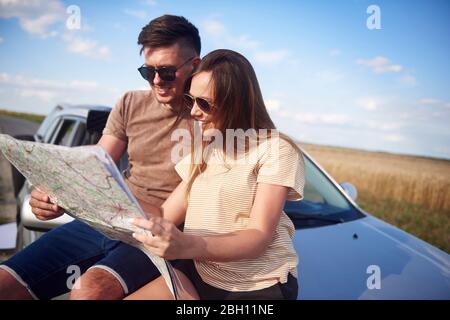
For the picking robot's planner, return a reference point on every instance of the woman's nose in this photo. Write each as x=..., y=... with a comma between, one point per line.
x=195, y=111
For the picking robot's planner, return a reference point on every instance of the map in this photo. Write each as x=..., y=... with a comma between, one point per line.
x=86, y=183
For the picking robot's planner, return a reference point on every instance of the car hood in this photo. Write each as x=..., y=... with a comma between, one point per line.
x=340, y=262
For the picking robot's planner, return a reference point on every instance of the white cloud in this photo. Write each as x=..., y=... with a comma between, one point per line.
x=284, y=114
x=218, y=33
x=43, y=84
x=1, y=40
x=140, y=14
x=393, y=138
x=85, y=46
x=150, y=2
x=83, y=85
x=380, y=65
x=35, y=17
x=245, y=41
x=334, y=52
x=322, y=118
x=382, y=125
x=429, y=101
x=222, y=37
x=40, y=17
x=271, y=57
x=447, y=105
x=329, y=76
x=272, y=104
x=214, y=28
x=408, y=80
x=274, y=107
x=368, y=103
x=44, y=93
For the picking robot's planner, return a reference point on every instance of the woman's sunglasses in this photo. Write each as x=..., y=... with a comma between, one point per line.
x=165, y=73
x=203, y=104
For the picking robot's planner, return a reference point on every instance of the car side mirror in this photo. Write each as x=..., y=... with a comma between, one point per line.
x=349, y=189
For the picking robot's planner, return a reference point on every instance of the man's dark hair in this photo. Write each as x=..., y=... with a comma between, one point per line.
x=167, y=30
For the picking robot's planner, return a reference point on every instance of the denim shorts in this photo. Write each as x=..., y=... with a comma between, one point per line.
x=46, y=266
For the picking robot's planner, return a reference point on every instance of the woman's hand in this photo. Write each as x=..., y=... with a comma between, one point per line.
x=167, y=241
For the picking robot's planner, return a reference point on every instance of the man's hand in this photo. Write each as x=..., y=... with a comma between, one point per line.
x=42, y=208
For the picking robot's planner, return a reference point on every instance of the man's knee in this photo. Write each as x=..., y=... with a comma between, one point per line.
x=11, y=288
x=97, y=284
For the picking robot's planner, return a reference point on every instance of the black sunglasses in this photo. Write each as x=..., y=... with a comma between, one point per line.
x=165, y=73
x=203, y=104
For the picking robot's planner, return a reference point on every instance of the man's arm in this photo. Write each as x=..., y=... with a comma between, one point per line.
x=113, y=145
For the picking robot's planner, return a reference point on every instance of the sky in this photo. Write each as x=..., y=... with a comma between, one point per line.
x=340, y=73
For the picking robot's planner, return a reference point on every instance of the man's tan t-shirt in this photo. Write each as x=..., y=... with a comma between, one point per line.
x=221, y=200
x=146, y=126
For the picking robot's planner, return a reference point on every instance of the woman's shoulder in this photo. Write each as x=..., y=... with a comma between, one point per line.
x=278, y=144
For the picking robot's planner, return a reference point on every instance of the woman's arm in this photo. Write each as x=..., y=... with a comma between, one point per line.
x=170, y=243
x=174, y=208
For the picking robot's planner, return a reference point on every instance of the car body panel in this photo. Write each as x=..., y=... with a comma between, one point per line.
x=334, y=262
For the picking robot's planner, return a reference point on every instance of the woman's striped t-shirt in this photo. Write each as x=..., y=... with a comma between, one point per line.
x=221, y=200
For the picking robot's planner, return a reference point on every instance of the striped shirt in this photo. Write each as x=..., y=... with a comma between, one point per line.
x=221, y=200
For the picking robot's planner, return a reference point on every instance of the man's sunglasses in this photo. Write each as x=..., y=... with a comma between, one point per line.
x=165, y=73
x=203, y=104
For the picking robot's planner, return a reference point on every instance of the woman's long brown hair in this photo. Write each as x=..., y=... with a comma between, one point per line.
x=238, y=102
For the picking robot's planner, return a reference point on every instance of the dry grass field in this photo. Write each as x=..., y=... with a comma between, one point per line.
x=412, y=193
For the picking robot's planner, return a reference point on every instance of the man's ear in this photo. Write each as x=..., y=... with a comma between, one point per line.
x=196, y=62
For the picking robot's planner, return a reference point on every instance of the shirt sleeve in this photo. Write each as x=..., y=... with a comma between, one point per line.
x=183, y=167
x=281, y=164
x=117, y=125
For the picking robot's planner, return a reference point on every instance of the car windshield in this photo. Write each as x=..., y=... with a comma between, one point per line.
x=321, y=198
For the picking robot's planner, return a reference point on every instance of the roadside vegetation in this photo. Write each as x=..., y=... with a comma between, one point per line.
x=412, y=193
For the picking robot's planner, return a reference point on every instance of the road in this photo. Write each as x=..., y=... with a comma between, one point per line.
x=14, y=126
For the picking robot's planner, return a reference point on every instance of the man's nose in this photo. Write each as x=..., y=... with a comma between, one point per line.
x=156, y=79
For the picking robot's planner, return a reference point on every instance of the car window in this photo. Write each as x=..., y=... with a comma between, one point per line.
x=65, y=132
x=91, y=138
x=79, y=137
x=51, y=131
x=321, y=197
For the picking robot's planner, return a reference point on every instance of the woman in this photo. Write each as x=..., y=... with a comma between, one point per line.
x=235, y=231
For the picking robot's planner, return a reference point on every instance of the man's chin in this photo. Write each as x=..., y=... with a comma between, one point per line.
x=163, y=98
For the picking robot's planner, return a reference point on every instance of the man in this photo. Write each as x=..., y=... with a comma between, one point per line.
x=141, y=123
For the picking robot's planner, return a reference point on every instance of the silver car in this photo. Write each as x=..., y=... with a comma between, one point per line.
x=344, y=252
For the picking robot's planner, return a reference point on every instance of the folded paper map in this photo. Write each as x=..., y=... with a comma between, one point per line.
x=86, y=183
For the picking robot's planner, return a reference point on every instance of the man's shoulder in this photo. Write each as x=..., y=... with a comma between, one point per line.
x=138, y=96
x=135, y=100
